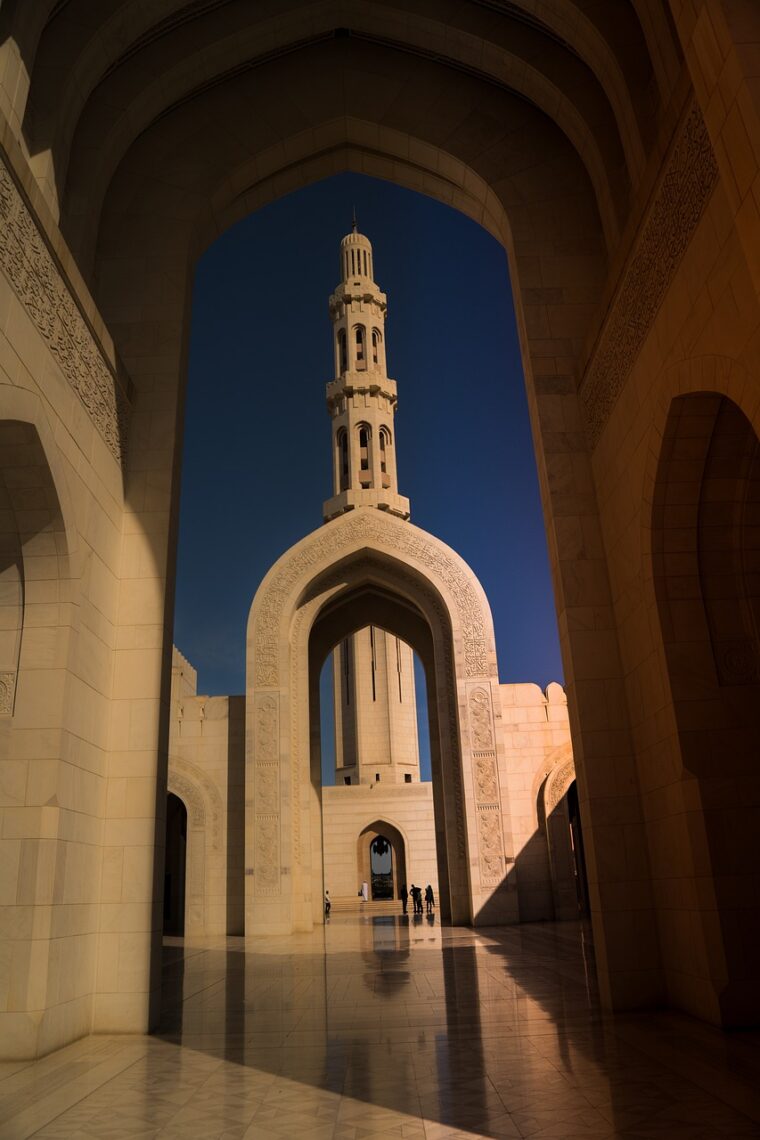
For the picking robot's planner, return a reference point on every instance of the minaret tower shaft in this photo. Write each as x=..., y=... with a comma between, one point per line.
x=373, y=671
x=361, y=399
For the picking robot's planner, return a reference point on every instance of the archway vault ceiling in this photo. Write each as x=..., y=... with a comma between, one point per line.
x=98, y=74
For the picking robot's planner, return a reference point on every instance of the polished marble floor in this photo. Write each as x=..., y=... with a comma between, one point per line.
x=384, y=1027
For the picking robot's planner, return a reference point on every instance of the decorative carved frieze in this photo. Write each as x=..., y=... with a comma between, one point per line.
x=267, y=855
x=200, y=795
x=678, y=204
x=490, y=846
x=36, y=280
x=266, y=790
x=7, y=693
x=481, y=723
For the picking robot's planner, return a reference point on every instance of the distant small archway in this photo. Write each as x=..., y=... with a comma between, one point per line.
x=369, y=860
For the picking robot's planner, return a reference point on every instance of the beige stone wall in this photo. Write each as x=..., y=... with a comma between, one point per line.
x=347, y=811
x=206, y=771
x=536, y=735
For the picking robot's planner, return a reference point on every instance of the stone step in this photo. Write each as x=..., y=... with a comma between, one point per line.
x=355, y=905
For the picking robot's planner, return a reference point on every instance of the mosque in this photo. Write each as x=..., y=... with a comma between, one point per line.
x=381, y=825
x=613, y=150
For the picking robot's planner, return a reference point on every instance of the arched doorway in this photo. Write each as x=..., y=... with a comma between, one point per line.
x=560, y=814
x=365, y=568
x=381, y=860
x=175, y=866
x=707, y=590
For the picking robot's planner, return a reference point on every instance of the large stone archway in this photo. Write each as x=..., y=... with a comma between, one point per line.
x=612, y=148
x=382, y=558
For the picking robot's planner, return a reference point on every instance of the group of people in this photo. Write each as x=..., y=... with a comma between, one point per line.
x=416, y=893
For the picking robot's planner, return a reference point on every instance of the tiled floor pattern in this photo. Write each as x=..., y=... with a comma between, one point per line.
x=390, y=1028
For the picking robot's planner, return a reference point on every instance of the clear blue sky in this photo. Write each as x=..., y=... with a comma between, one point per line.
x=256, y=465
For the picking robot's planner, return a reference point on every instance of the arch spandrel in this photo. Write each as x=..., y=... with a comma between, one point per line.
x=471, y=622
x=369, y=549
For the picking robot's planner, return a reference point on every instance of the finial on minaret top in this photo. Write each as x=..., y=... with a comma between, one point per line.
x=362, y=398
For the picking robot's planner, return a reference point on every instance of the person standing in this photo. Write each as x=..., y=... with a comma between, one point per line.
x=328, y=904
x=404, y=893
x=429, y=899
x=365, y=891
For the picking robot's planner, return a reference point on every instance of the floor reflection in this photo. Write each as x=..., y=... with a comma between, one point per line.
x=387, y=1026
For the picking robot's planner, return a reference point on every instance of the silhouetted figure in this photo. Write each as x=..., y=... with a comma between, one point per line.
x=429, y=899
x=404, y=897
x=416, y=893
x=328, y=904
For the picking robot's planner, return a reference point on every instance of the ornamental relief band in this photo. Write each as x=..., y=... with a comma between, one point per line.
x=379, y=533
x=27, y=263
x=266, y=795
x=557, y=784
x=490, y=846
x=684, y=190
x=483, y=748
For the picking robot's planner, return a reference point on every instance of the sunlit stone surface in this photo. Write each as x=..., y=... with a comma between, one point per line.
x=387, y=1027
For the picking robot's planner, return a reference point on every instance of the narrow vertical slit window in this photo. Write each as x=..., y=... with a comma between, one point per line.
x=373, y=661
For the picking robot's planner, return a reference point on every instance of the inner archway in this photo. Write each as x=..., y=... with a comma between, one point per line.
x=704, y=563
x=381, y=860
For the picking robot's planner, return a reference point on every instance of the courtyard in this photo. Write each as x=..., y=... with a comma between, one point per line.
x=378, y=1026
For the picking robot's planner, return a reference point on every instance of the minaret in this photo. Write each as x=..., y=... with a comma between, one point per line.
x=373, y=671
x=361, y=399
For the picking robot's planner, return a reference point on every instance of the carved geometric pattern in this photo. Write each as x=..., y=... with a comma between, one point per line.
x=679, y=202
x=7, y=693
x=490, y=846
x=37, y=282
x=380, y=533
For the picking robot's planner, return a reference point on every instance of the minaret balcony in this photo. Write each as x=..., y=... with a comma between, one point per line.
x=353, y=383
x=376, y=497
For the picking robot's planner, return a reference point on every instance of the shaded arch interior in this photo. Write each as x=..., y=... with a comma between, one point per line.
x=706, y=570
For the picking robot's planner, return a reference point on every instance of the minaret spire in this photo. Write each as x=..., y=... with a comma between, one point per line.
x=362, y=398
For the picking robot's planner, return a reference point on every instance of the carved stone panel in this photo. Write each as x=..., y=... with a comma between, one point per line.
x=266, y=828
x=34, y=276
x=481, y=719
x=490, y=846
x=684, y=190
x=7, y=693
x=267, y=855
